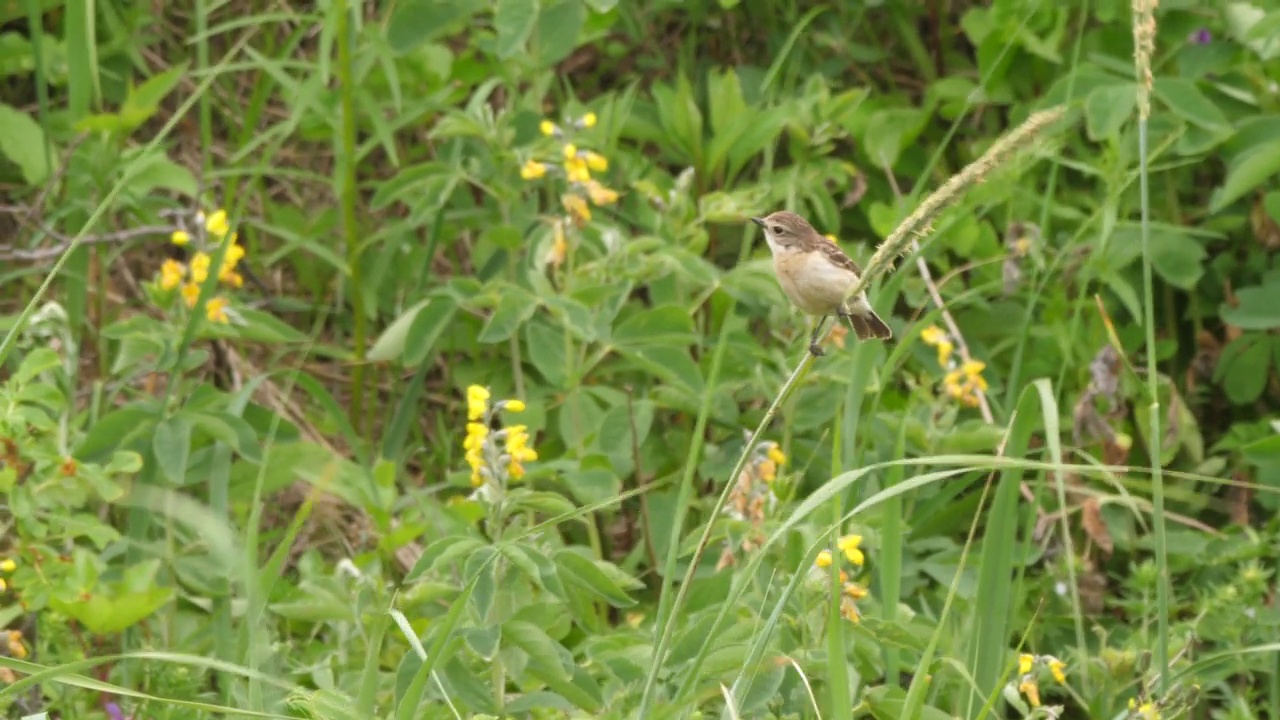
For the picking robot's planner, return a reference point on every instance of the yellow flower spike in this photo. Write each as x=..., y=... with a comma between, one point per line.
x=514, y=406
x=576, y=207
x=200, y=267
x=1059, y=670
x=596, y=161
x=570, y=151
x=190, y=294
x=8, y=565
x=216, y=310
x=849, y=546
x=216, y=223
x=601, y=195
x=180, y=237
x=1025, y=661
x=171, y=274
x=477, y=401
x=546, y=127
x=589, y=120
x=823, y=560
x=533, y=170
x=777, y=455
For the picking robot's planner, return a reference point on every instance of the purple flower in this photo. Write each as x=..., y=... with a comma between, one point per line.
x=1200, y=37
x=114, y=712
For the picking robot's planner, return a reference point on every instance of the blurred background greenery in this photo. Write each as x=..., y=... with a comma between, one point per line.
x=395, y=359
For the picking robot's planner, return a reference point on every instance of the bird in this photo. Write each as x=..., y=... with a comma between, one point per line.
x=817, y=276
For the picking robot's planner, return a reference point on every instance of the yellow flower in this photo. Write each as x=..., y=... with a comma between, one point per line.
x=1021, y=246
x=16, y=648
x=477, y=402
x=230, y=259
x=575, y=168
x=577, y=207
x=944, y=352
x=190, y=293
x=3, y=585
x=180, y=237
x=1028, y=687
x=200, y=267
x=171, y=274
x=933, y=335
x=849, y=546
x=596, y=161
x=855, y=591
x=601, y=195
x=570, y=151
x=776, y=455
x=546, y=127
x=768, y=470
x=216, y=223
x=1146, y=711
x=514, y=405
x=1025, y=661
x=8, y=565
x=533, y=170
x=823, y=560
x=474, y=446
x=559, y=244
x=965, y=382
x=831, y=238
x=589, y=120
x=1059, y=670
x=519, y=451
x=849, y=609
x=216, y=310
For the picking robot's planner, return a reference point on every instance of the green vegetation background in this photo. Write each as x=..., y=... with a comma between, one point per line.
x=273, y=274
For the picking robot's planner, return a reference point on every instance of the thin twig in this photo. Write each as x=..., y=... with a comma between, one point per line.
x=9, y=252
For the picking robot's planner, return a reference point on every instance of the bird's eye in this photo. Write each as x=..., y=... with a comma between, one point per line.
x=778, y=230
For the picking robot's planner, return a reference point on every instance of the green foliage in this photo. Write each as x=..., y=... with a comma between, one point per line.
x=397, y=361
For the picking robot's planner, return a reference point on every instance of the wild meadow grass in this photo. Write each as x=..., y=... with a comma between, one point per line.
x=419, y=361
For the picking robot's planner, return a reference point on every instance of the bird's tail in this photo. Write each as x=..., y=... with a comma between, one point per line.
x=868, y=325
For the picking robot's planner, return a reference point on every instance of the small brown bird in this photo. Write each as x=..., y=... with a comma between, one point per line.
x=816, y=275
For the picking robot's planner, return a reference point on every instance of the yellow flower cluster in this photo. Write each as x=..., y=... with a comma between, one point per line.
x=1027, y=684
x=190, y=276
x=963, y=381
x=577, y=165
x=481, y=452
x=850, y=592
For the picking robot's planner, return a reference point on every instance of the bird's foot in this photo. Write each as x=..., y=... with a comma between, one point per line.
x=817, y=351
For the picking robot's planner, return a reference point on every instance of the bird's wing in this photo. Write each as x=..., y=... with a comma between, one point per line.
x=838, y=258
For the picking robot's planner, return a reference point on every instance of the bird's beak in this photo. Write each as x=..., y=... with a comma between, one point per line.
x=758, y=221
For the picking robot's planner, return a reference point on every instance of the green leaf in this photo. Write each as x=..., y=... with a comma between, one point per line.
x=671, y=364
x=559, y=28
x=515, y=306
x=1257, y=165
x=1178, y=257
x=1242, y=368
x=440, y=553
x=587, y=574
x=546, y=347
x=22, y=141
x=427, y=328
x=115, y=430
x=668, y=325
x=390, y=344
x=172, y=446
x=1257, y=308
x=481, y=577
x=1107, y=108
x=417, y=21
x=544, y=653
x=1186, y=101
x=514, y=21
